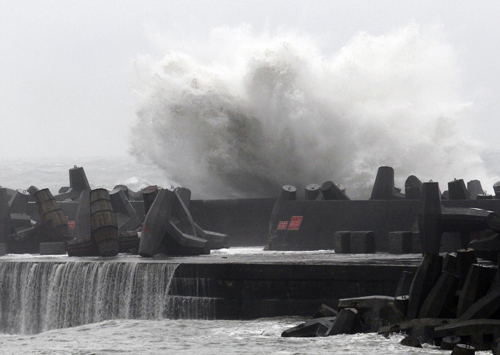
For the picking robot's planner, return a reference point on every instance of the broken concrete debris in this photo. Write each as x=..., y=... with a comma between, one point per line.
x=441, y=311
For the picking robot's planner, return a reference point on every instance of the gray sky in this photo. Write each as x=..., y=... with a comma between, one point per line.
x=67, y=75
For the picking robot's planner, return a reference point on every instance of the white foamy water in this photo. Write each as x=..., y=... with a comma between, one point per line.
x=153, y=337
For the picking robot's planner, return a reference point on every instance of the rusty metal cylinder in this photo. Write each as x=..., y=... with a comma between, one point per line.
x=104, y=224
x=51, y=215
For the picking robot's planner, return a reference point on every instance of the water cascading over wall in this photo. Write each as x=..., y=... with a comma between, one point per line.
x=39, y=296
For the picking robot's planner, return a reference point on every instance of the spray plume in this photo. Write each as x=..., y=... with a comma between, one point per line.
x=268, y=111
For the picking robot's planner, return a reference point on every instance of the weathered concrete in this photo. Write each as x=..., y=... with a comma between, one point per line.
x=400, y=242
x=362, y=242
x=425, y=278
x=314, y=328
x=58, y=248
x=342, y=242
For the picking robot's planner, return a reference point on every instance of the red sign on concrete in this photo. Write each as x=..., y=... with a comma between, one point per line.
x=71, y=225
x=282, y=225
x=295, y=223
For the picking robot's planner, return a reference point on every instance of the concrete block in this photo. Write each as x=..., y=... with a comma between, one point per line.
x=342, y=242
x=363, y=242
x=400, y=242
x=57, y=248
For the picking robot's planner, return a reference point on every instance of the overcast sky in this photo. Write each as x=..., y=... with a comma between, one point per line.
x=67, y=75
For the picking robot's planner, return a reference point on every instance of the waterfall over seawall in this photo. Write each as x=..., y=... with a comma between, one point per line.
x=39, y=296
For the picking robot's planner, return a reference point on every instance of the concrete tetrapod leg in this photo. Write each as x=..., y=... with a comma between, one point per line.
x=440, y=302
x=325, y=311
x=413, y=188
x=465, y=259
x=425, y=278
x=384, y=184
x=404, y=284
x=331, y=191
x=125, y=214
x=485, y=307
x=463, y=349
x=314, y=328
x=457, y=190
x=3, y=249
x=342, y=242
x=288, y=193
x=474, y=187
x=450, y=263
x=18, y=203
x=312, y=191
x=475, y=287
x=82, y=218
x=412, y=341
x=416, y=243
x=400, y=242
x=318, y=327
x=368, y=309
x=155, y=223
x=363, y=242
x=78, y=179
x=391, y=314
x=347, y=322
x=149, y=195
x=429, y=225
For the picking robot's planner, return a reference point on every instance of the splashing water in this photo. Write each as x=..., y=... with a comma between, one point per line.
x=268, y=111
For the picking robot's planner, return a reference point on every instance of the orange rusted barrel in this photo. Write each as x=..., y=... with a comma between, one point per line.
x=104, y=224
x=53, y=218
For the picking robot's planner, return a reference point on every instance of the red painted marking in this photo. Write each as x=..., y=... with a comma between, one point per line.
x=282, y=225
x=71, y=224
x=295, y=223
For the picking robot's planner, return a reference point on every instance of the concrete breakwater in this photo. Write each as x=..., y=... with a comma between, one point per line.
x=40, y=294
